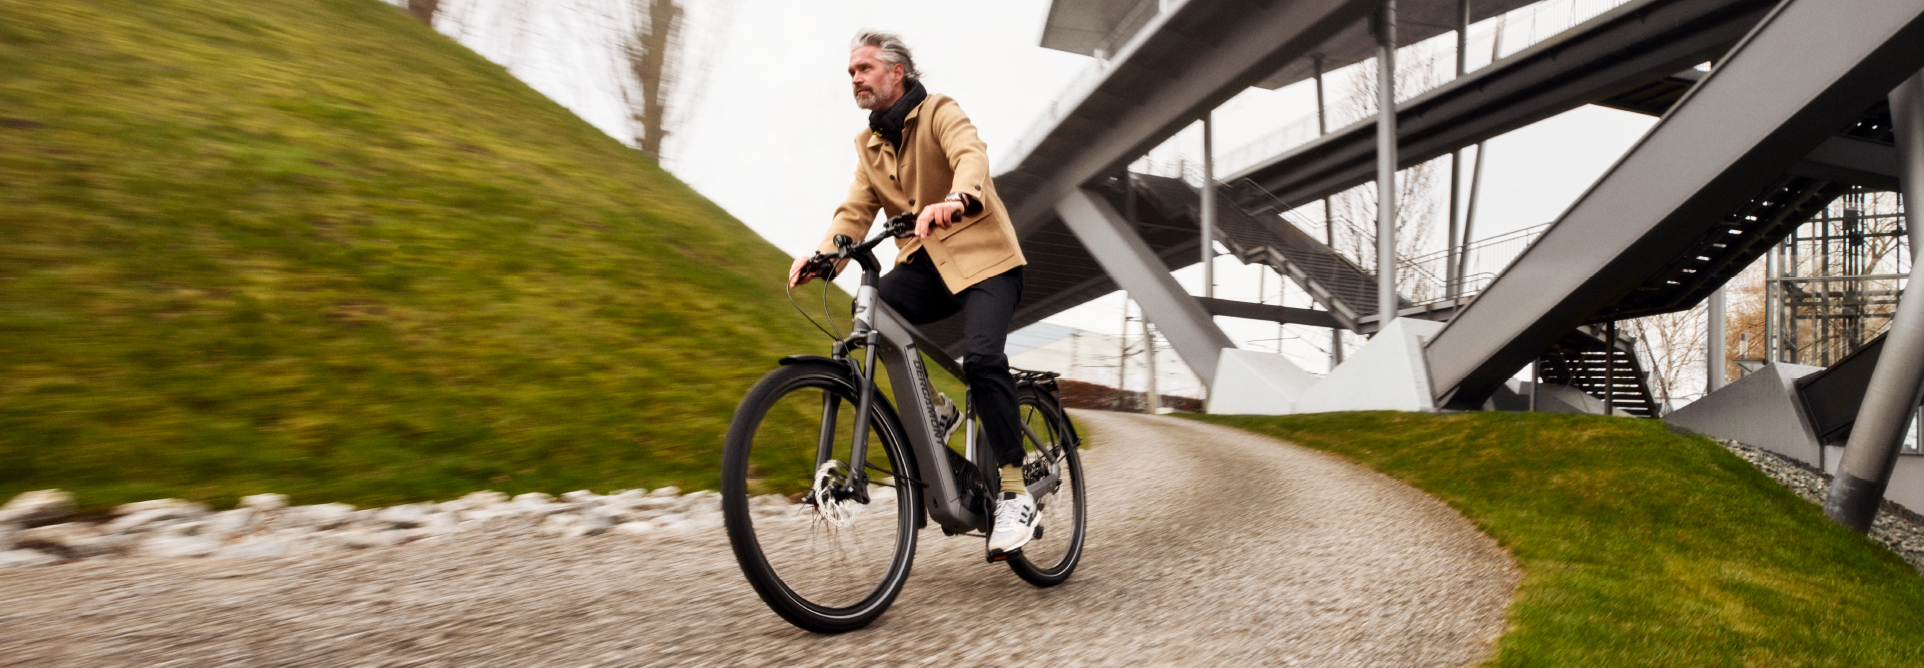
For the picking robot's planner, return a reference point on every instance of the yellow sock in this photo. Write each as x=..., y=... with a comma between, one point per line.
x=1012, y=479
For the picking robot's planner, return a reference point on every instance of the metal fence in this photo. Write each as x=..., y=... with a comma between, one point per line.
x=1508, y=34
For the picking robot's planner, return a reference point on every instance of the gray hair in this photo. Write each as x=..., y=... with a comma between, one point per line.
x=891, y=51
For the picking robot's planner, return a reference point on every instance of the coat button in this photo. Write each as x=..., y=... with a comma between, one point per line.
x=911, y=202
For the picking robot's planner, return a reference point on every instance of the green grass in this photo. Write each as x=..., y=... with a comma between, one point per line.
x=312, y=247
x=1640, y=546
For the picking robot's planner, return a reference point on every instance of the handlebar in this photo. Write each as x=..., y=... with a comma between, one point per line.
x=823, y=264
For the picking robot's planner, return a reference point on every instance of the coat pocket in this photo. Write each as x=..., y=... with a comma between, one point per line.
x=965, y=223
x=979, y=247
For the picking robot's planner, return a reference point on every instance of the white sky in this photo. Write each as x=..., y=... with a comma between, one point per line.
x=770, y=138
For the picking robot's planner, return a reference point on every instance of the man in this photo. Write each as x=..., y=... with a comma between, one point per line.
x=921, y=150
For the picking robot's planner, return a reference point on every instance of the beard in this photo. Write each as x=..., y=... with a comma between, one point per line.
x=870, y=99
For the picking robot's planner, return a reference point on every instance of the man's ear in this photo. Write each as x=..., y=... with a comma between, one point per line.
x=897, y=73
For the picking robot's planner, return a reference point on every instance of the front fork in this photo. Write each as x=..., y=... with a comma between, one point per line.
x=863, y=334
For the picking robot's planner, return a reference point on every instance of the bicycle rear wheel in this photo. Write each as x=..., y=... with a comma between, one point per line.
x=817, y=553
x=1052, y=555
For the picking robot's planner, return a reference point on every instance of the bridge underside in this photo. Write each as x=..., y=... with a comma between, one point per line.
x=1741, y=156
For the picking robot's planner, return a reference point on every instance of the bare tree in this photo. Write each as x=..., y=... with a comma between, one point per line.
x=424, y=10
x=1416, y=186
x=1873, y=247
x=1673, y=346
x=652, y=52
x=1743, y=318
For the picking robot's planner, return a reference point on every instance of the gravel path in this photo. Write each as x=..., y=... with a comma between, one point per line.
x=1207, y=546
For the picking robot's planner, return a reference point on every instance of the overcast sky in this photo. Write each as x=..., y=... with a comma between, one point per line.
x=770, y=136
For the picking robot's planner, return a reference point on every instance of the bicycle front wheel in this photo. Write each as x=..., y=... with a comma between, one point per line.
x=823, y=550
x=1052, y=555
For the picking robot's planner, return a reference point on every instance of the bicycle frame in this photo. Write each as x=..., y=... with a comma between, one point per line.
x=886, y=334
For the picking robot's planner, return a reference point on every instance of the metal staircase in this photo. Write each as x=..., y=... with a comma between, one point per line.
x=1334, y=282
x=1611, y=373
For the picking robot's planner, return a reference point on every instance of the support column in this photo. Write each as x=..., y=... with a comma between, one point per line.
x=1770, y=305
x=1610, y=369
x=1386, y=165
x=1152, y=402
x=1329, y=216
x=1536, y=381
x=1476, y=176
x=1209, y=207
x=1871, y=452
x=1714, y=352
x=1122, y=355
x=1452, y=278
x=1134, y=266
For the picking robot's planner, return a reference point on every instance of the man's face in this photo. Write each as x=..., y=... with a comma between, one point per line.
x=877, y=84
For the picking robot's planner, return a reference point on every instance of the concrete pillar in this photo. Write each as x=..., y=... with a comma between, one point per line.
x=1610, y=369
x=1135, y=267
x=1329, y=216
x=1454, y=241
x=1152, y=402
x=1882, y=419
x=1386, y=164
x=1209, y=207
x=1714, y=352
x=1122, y=355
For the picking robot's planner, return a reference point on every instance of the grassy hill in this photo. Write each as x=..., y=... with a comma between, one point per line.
x=1640, y=546
x=312, y=247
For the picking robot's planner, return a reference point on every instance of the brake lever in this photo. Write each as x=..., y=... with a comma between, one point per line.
x=821, y=266
x=902, y=227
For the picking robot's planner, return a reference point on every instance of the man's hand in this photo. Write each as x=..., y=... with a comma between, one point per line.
x=939, y=214
x=796, y=275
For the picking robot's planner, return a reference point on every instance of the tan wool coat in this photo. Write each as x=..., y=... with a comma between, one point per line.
x=941, y=154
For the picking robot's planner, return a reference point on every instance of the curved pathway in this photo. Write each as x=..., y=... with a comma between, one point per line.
x=1207, y=546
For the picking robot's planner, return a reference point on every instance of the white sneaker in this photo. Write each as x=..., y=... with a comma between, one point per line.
x=1015, y=520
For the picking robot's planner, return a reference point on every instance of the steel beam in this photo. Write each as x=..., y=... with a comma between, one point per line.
x=1832, y=397
x=1185, y=62
x=1891, y=397
x=1623, y=48
x=1859, y=162
x=1842, y=158
x=1289, y=315
x=1124, y=256
x=1767, y=105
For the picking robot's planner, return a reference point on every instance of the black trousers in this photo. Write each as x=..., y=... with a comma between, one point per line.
x=916, y=291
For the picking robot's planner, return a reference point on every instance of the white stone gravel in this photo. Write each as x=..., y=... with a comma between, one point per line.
x=1897, y=527
x=264, y=525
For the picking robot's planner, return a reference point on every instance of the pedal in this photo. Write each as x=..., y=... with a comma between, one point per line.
x=1002, y=556
x=1038, y=532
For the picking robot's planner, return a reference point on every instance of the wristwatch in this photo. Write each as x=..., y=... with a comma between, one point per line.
x=970, y=205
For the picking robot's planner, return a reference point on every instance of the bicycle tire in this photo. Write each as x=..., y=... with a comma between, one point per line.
x=774, y=551
x=1050, y=558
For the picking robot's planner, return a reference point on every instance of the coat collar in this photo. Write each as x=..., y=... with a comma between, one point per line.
x=876, y=141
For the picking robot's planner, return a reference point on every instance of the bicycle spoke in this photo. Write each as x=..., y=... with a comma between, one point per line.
x=832, y=552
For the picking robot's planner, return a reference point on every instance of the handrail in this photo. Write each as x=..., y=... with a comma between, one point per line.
x=1508, y=34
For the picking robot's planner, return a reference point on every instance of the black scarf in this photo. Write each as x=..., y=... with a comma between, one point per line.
x=888, y=123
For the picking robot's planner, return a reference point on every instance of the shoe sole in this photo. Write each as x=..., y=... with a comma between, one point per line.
x=996, y=555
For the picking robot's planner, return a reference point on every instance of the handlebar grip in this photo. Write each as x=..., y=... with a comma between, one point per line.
x=821, y=266
x=902, y=226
